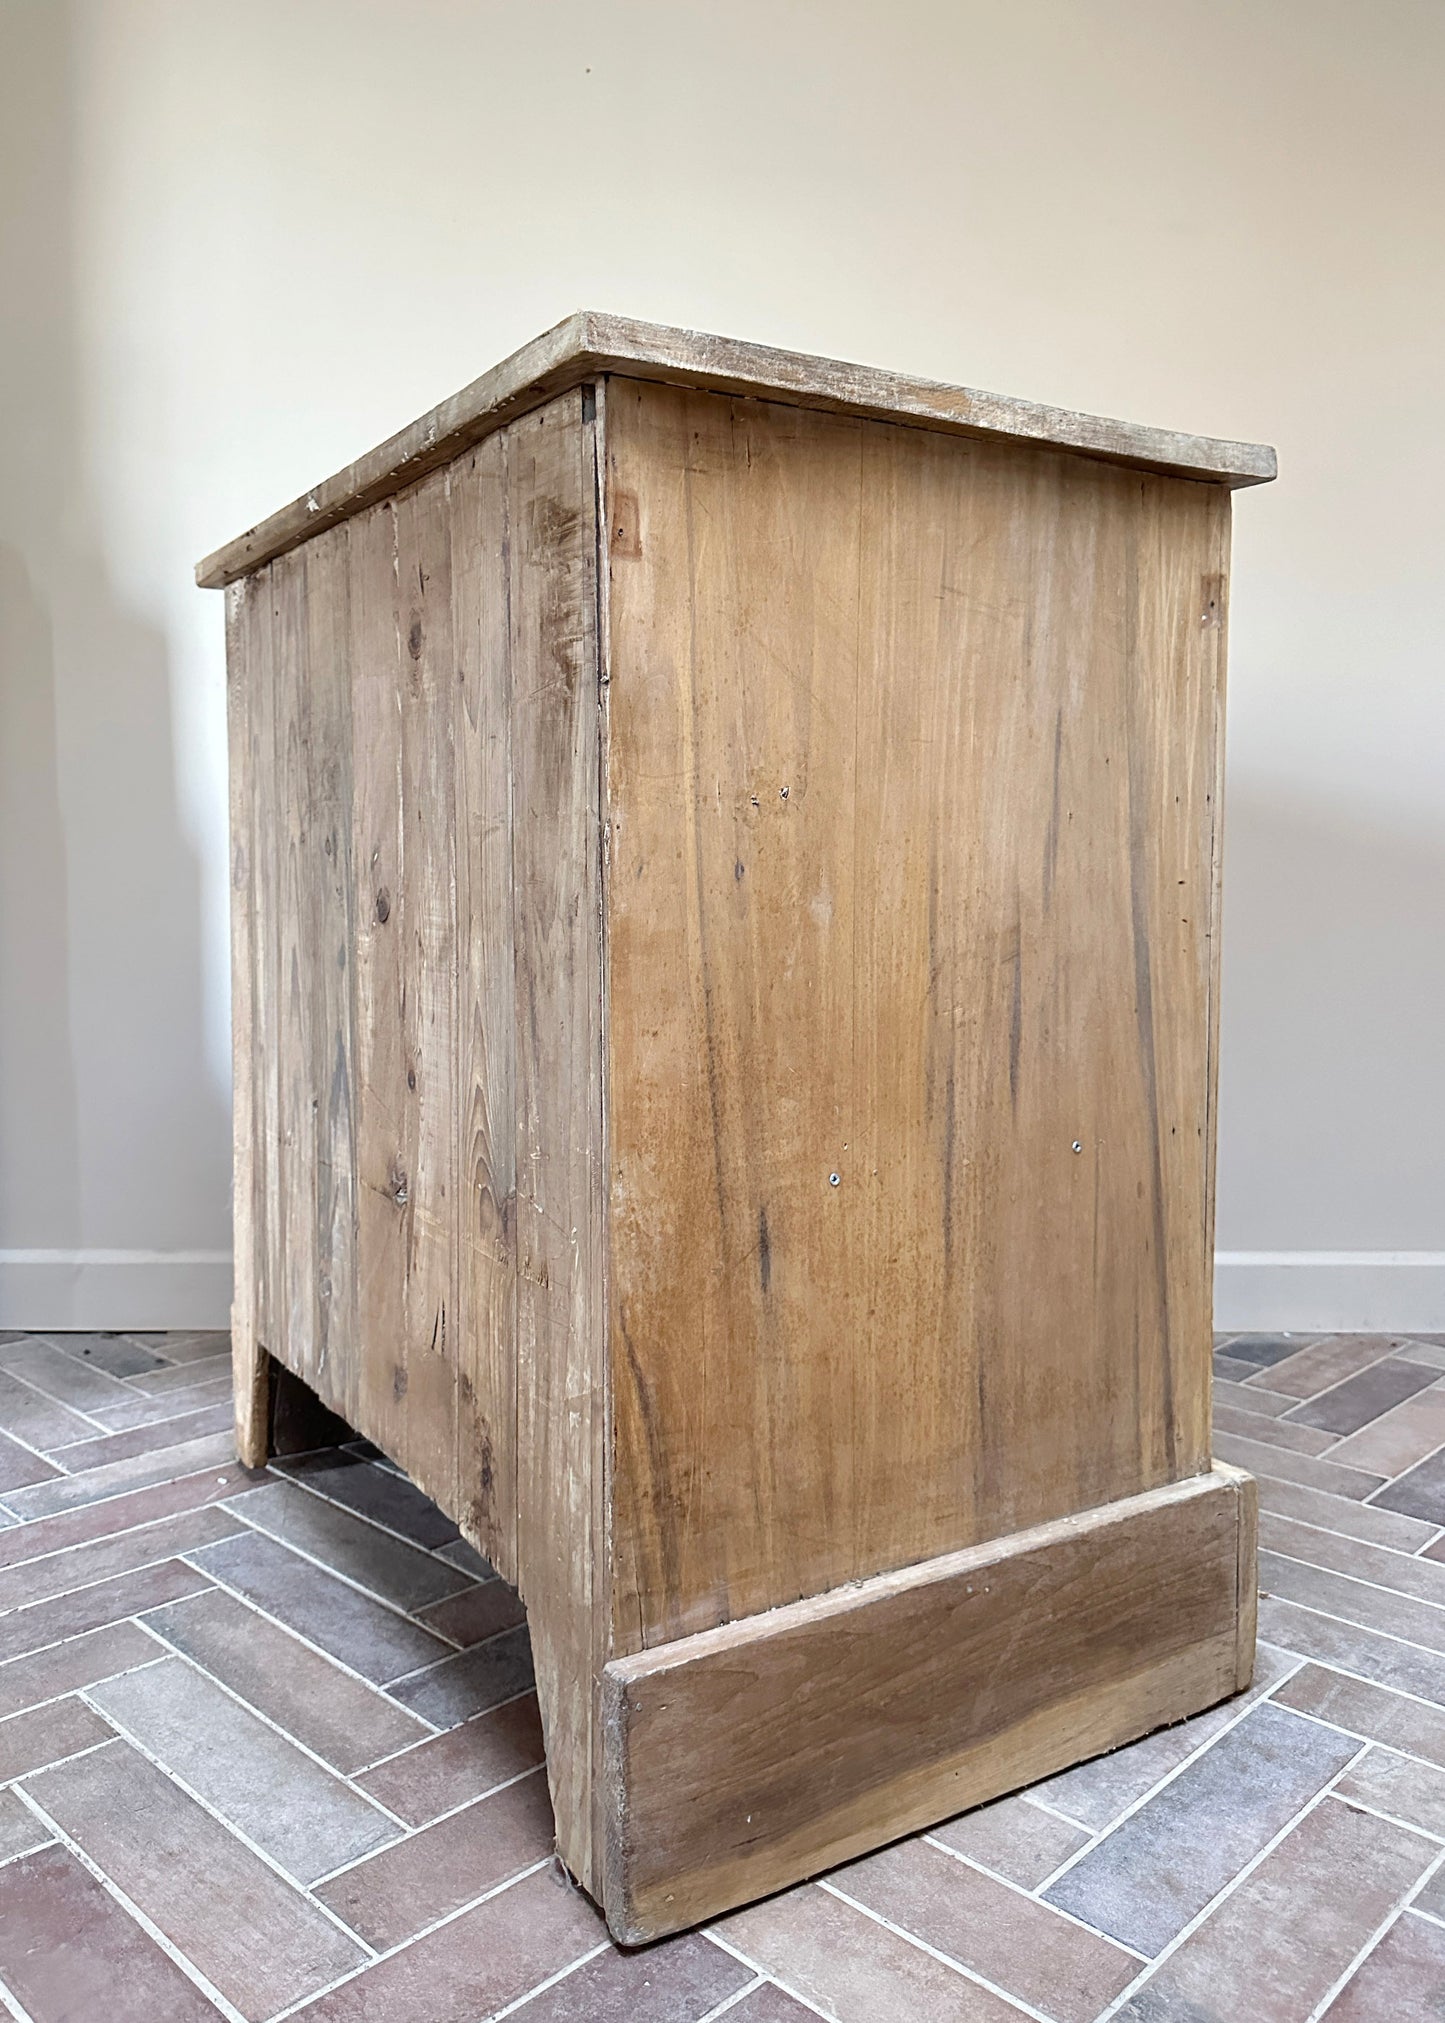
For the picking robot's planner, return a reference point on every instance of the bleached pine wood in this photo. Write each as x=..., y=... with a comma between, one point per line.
x=590, y=345
x=726, y=951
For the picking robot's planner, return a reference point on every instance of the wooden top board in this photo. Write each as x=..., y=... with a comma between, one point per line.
x=589, y=342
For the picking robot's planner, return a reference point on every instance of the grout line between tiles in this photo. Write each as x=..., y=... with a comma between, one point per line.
x=1365, y=1629
x=415, y=1832
x=1137, y=1805
x=382, y=1601
x=1360, y=1580
x=331, y=1659
x=406, y=1749
x=1390, y=1748
x=72, y=1692
x=362, y=1517
x=238, y=1833
x=549, y=1981
x=100, y=1580
x=12, y=2003
x=259, y=1714
x=104, y=1537
x=1228, y=1890
x=1436, y=1918
x=776, y=1975
x=732, y=2001
x=1030, y=1896
x=133, y=1909
x=934, y=1952
x=1374, y=1939
x=413, y=1938
x=216, y=1468
x=1328, y=1531
x=64, y=1404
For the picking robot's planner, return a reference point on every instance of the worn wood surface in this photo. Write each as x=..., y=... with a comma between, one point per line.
x=746, y=1757
x=590, y=345
x=725, y=1055
x=912, y=800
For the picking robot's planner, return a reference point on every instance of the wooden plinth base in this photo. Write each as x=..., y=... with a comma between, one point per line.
x=749, y=1757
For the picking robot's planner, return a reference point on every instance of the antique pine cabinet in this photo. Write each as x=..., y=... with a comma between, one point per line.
x=725, y=862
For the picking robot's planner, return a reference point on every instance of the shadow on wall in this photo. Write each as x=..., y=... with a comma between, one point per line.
x=112, y=1138
x=1334, y=952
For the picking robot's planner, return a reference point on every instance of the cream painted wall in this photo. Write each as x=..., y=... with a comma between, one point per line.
x=240, y=245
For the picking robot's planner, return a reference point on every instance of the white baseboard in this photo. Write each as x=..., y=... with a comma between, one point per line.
x=94, y=1289
x=1393, y=1291
x=1332, y=1291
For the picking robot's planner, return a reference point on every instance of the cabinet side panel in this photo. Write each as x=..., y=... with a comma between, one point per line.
x=557, y=913
x=911, y=793
x=485, y=1120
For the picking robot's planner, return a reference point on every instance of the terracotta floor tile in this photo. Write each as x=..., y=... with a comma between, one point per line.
x=1352, y=1601
x=1372, y=1712
x=1398, y=1439
x=377, y=1493
x=475, y=1965
x=770, y=2004
x=1419, y=1492
x=303, y=1816
x=43, y=1735
x=120, y=1513
x=68, y=1951
x=342, y=1719
x=395, y=1893
x=1274, y=1431
x=1012, y=1940
x=1357, y=1401
x=117, y=1355
x=19, y=1468
x=214, y=1450
x=1329, y=1361
x=1250, y=1398
x=172, y=1430
x=1160, y=1867
x=672, y=1983
x=1096, y=1792
x=1401, y=1981
x=399, y=1573
x=435, y=1776
x=1403, y=1573
x=1262, y=1352
x=75, y=1382
x=1342, y=1514
x=79, y=1566
x=1397, y=1785
x=36, y=1420
x=362, y=1633
x=108, y=1601
x=20, y=1830
x=1014, y=1838
x=1274, y=1948
x=1314, y=1471
x=853, y=1968
x=1383, y=1659
x=76, y=1663
x=470, y=1682
x=195, y=1881
x=476, y=1613
x=172, y=1377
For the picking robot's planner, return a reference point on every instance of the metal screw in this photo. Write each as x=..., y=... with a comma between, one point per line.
x=832, y=1180
x=1076, y=1146
x=784, y=792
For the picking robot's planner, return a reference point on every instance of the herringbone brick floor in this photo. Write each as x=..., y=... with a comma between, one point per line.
x=268, y=1749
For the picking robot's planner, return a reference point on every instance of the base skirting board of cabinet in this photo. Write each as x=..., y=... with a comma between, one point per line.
x=748, y=1757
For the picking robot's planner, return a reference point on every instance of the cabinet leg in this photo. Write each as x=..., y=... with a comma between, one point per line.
x=251, y=1379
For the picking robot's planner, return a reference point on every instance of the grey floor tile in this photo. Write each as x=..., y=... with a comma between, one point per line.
x=69, y=1492
x=384, y=1565
x=37, y=1420
x=1145, y=1881
x=1420, y=1492
x=305, y=1818
x=1385, y=1660
x=471, y=1682
x=117, y=1355
x=1354, y=1403
x=372, y=1639
x=373, y=1492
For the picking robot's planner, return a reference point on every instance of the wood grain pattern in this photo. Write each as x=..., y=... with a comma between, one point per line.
x=724, y=1050
x=911, y=776
x=561, y=1540
x=590, y=345
x=749, y=1756
x=486, y=1333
